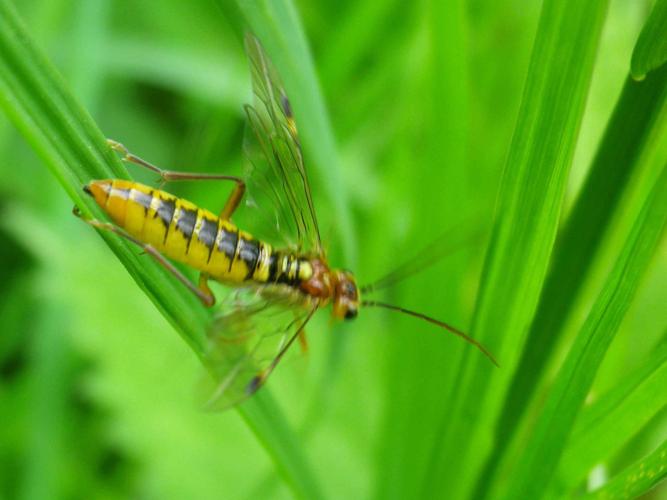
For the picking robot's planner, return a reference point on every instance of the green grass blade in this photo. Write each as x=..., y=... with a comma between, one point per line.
x=527, y=216
x=638, y=479
x=636, y=128
x=443, y=128
x=651, y=48
x=276, y=24
x=539, y=456
x=615, y=418
x=64, y=135
x=264, y=417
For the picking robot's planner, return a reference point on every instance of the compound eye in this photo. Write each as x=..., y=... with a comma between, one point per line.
x=351, y=313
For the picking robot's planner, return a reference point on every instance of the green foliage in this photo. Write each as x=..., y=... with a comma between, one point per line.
x=513, y=117
x=524, y=230
x=542, y=449
x=651, y=49
x=634, y=135
x=637, y=479
x=606, y=425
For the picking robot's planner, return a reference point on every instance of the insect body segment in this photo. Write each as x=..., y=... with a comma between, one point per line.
x=195, y=236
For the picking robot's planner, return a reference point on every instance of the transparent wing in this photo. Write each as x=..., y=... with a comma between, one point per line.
x=250, y=330
x=277, y=181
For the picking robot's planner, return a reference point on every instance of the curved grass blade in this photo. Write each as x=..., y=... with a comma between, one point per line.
x=36, y=99
x=264, y=417
x=630, y=150
x=605, y=426
x=528, y=209
x=638, y=479
x=540, y=452
x=651, y=49
x=63, y=134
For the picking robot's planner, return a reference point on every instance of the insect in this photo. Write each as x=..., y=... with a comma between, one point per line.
x=275, y=288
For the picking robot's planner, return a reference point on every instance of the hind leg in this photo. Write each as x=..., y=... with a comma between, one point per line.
x=202, y=292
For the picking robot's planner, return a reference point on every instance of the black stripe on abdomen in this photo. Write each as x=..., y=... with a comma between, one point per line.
x=228, y=243
x=208, y=231
x=165, y=211
x=249, y=254
x=142, y=199
x=273, y=266
x=186, y=224
x=283, y=275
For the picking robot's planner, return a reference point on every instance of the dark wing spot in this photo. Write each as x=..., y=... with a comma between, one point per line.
x=287, y=107
x=254, y=384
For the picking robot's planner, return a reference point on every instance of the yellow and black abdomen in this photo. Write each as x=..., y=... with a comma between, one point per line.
x=184, y=232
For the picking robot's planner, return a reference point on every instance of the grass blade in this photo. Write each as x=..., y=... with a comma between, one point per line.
x=651, y=49
x=265, y=418
x=64, y=135
x=36, y=99
x=637, y=479
x=615, y=418
x=541, y=453
x=527, y=216
x=444, y=131
x=637, y=127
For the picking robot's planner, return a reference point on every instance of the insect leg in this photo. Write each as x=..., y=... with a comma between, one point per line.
x=303, y=341
x=259, y=379
x=203, y=286
x=170, y=175
x=203, y=294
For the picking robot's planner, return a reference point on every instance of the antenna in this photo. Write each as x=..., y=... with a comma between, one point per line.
x=441, y=324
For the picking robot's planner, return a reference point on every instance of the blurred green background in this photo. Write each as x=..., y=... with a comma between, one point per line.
x=97, y=388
